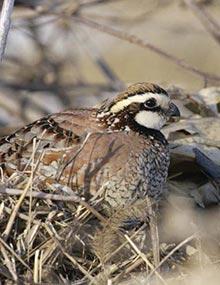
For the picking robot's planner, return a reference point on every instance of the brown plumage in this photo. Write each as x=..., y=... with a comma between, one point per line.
x=114, y=154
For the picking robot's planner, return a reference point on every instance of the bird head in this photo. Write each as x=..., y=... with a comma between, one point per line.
x=140, y=105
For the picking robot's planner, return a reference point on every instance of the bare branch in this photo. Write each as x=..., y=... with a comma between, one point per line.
x=206, y=19
x=5, y=22
x=185, y=241
x=144, y=258
x=55, y=197
x=143, y=43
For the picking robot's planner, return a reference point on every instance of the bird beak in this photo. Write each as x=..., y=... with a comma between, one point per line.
x=173, y=111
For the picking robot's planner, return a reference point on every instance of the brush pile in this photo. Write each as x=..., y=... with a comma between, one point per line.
x=51, y=236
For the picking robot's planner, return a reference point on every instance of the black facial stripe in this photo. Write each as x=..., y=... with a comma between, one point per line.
x=148, y=132
x=144, y=108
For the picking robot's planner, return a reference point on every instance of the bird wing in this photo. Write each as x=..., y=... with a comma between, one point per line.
x=57, y=131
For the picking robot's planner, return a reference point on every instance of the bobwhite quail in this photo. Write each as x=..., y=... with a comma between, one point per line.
x=114, y=154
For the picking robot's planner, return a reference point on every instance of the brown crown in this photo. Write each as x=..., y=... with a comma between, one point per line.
x=141, y=88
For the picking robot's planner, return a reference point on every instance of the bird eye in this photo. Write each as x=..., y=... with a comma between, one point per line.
x=150, y=103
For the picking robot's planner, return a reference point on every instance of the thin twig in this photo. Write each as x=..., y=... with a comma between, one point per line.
x=74, y=157
x=125, y=242
x=20, y=200
x=8, y=263
x=143, y=256
x=206, y=19
x=145, y=44
x=171, y=253
x=3, y=243
x=135, y=264
x=56, y=197
x=153, y=232
x=70, y=257
x=22, y=216
x=5, y=23
x=117, y=250
x=93, y=51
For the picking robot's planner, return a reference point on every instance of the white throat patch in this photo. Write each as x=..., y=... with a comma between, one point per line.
x=150, y=119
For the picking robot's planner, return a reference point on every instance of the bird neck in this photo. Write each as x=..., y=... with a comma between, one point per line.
x=148, y=132
x=122, y=122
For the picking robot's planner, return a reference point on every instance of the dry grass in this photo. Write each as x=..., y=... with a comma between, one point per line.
x=51, y=236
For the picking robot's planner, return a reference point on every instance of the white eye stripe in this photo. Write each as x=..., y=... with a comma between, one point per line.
x=162, y=100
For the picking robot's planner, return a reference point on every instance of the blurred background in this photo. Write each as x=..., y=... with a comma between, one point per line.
x=53, y=60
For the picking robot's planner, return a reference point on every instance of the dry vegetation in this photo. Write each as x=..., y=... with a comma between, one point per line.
x=54, y=59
